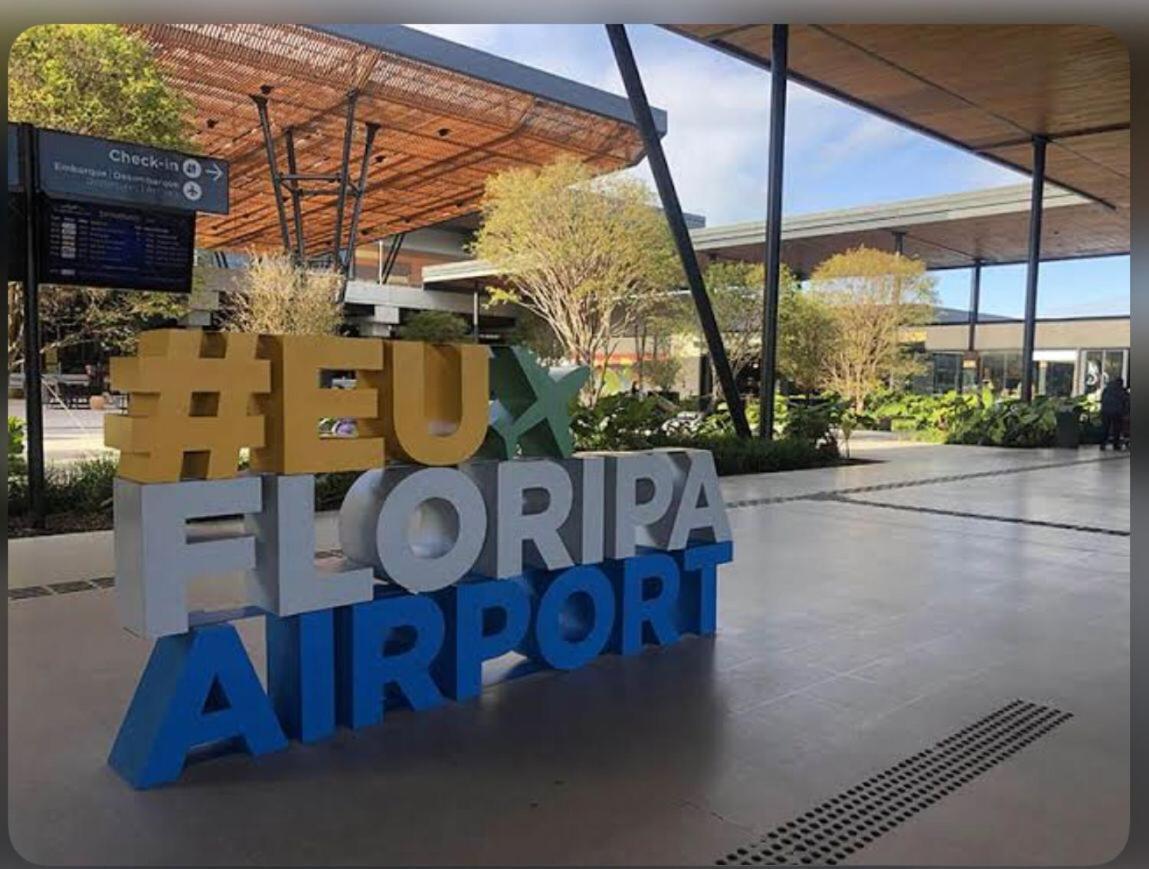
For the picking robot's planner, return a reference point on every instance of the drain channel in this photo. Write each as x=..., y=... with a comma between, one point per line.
x=838, y=828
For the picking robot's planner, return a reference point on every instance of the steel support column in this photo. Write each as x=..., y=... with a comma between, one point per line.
x=296, y=199
x=33, y=406
x=974, y=303
x=778, y=67
x=392, y=255
x=344, y=175
x=273, y=166
x=1031, y=268
x=899, y=241
x=640, y=108
x=348, y=265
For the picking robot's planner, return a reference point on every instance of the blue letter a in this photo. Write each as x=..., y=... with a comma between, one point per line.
x=199, y=688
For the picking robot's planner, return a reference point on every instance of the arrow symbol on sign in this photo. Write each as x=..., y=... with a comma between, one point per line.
x=215, y=172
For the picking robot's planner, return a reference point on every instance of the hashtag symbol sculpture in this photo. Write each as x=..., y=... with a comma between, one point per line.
x=191, y=405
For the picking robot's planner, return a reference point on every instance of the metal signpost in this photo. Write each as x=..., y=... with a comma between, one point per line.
x=99, y=213
x=17, y=253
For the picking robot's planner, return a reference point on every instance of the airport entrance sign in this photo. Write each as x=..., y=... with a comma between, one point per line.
x=85, y=167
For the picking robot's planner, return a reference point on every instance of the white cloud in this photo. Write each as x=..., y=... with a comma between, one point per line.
x=718, y=115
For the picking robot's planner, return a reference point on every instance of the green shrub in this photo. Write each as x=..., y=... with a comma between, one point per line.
x=814, y=422
x=15, y=446
x=437, y=327
x=82, y=487
x=620, y=422
x=979, y=417
x=735, y=455
x=1014, y=423
x=628, y=422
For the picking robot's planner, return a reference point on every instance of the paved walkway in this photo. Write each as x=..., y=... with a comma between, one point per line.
x=68, y=434
x=923, y=660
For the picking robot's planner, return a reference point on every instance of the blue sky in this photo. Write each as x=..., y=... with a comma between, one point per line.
x=836, y=156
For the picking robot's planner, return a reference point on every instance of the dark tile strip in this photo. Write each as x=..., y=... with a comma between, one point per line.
x=835, y=830
x=926, y=481
x=1016, y=520
x=28, y=591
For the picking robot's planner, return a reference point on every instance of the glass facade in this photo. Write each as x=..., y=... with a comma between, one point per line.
x=947, y=371
x=1101, y=366
x=1000, y=370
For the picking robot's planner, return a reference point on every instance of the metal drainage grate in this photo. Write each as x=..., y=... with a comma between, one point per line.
x=844, y=824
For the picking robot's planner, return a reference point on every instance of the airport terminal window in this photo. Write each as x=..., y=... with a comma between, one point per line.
x=992, y=369
x=1100, y=367
x=1056, y=378
x=1002, y=370
x=947, y=369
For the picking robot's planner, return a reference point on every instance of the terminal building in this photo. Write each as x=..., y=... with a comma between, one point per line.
x=1072, y=356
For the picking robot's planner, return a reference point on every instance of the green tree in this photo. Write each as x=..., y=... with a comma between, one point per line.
x=95, y=79
x=735, y=289
x=806, y=330
x=587, y=256
x=873, y=296
x=531, y=331
x=99, y=80
x=437, y=327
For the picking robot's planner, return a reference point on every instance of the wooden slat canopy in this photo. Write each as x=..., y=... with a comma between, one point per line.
x=442, y=131
x=985, y=88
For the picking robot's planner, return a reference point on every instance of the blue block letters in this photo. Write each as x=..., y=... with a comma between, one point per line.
x=198, y=689
x=391, y=640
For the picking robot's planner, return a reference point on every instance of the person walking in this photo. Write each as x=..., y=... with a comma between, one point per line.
x=1114, y=408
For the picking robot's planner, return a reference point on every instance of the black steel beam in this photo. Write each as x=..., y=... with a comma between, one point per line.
x=293, y=179
x=778, y=54
x=1029, y=330
x=974, y=302
x=310, y=176
x=344, y=173
x=392, y=255
x=652, y=144
x=360, y=190
x=33, y=405
x=273, y=166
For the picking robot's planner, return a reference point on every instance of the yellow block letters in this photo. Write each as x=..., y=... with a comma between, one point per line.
x=297, y=403
x=433, y=400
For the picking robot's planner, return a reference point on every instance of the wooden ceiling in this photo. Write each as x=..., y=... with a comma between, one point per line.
x=985, y=88
x=442, y=132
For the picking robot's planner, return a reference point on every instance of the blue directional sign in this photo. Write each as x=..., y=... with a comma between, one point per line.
x=85, y=167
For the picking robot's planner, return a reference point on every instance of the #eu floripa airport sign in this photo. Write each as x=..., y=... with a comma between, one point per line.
x=473, y=531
